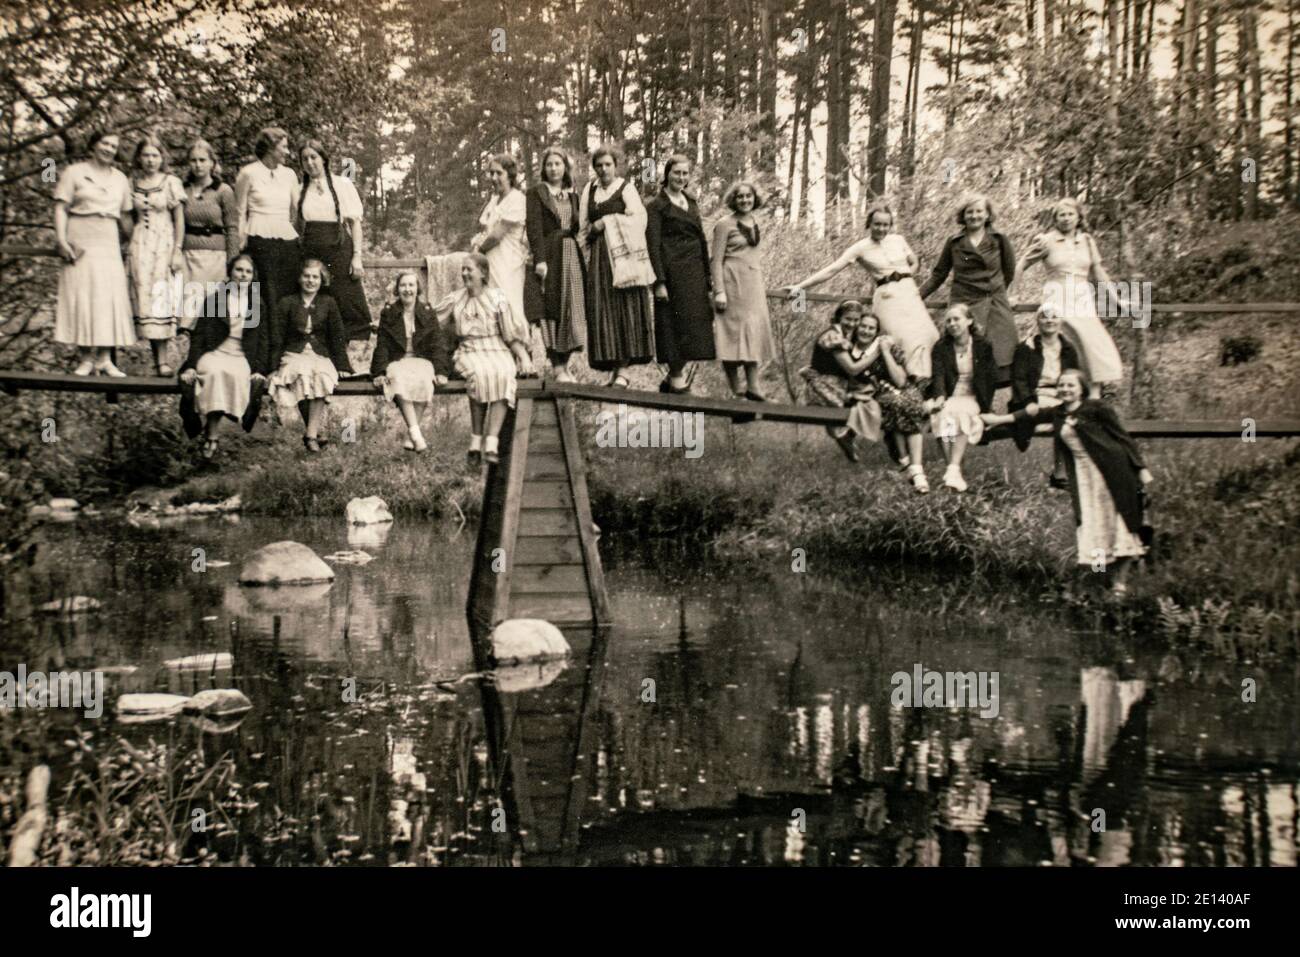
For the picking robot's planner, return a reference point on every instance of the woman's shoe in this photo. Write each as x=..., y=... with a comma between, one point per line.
x=918, y=478
x=474, y=458
x=667, y=387
x=107, y=368
x=618, y=381
x=491, y=458
x=210, y=449
x=564, y=375
x=753, y=396
x=846, y=442
x=310, y=444
x=166, y=371
x=417, y=442
x=85, y=368
x=952, y=479
x=408, y=444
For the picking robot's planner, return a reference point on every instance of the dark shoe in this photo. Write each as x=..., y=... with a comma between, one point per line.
x=473, y=458
x=1058, y=482
x=670, y=389
x=755, y=397
x=846, y=443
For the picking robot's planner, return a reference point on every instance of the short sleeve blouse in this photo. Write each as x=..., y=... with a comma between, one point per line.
x=89, y=191
x=890, y=255
x=272, y=194
x=318, y=206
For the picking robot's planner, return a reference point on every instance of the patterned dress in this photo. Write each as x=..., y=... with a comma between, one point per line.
x=485, y=326
x=155, y=289
x=902, y=410
x=566, y=330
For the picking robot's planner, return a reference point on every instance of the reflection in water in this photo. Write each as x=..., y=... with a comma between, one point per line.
x=739, y=718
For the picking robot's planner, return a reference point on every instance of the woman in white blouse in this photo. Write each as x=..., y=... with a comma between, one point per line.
x=502, y=238
x=897, y=303
x=266, y=194
x=329, y=214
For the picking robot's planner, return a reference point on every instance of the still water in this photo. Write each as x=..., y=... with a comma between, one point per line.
x=731, y=716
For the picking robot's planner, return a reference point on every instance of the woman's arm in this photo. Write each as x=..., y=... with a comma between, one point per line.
x=243, y=186
x=1008, y=259
x=940, y=272
x=854, y=366
x=897, y=373
x=178, y=237
x=229, y=220
x=61, y=231
x=358, y=247
x=826, y=272
x=720, y=233
x=654, y=247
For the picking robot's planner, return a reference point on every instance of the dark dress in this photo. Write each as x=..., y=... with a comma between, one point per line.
x=679, y=253
x=558, y=307
x=331, y=243
x=620, y=322
x=1026, y=370
x=980, y=278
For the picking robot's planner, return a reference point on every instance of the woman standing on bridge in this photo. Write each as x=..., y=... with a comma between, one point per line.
x=266, y=194
x=503, y=239
x=896, y=303
x=559, y=273
x=329, y=217
x=983, y=264
x=229, y=354
x=679, y=254
x=411, y=354
x=744, y=328
x=1074, y=271
x=94, y=306
x=1106, y=474
x=491, y=352
x=155, y=254
x=211, y=231
x=620, y=317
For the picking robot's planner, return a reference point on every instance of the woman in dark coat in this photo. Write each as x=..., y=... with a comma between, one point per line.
x=412, y=354
x=679, y=253
x=557, y=304
x=963, y=377
x=1038, y=363
x=224, y=375
x=1106, y=475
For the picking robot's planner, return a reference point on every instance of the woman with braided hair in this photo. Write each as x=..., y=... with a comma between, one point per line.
x=329, y=216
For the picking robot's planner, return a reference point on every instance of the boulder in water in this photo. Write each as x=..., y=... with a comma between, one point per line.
x=64, y=504
x=285, y=563
x=147, y=707
x=219, y=703
x=371, y=510
x=527, y=639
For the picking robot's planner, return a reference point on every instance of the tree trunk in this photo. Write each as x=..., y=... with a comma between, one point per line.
x=767, y=84
x=915, y=54
x=836, y=141
x=1290, y=193
x=1210, y=121
x=1254, y=131
x=882, y=51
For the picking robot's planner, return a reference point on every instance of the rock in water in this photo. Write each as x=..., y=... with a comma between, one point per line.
x=527, y=639
x=72, y=605
x=64, y=504
x=211, y=661
x=219, y=703
x=285, y=563
x=140, y=706
x=371, y=510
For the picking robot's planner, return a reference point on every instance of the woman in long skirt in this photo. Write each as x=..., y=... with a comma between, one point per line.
x=156, y=262
x=1074, y=270
x=94, y=305
x=679, y=253
x=308, y=350
x=503, y=239
x=491, y=352
x=228, y=358
x=266, y=195
x=1106, y=473
x=896, y=303
x=329, y=214
x=559, y=305
x=411, y=355
x=743, y=327
x=620, y=316
x=211, y=231
x=983, y=264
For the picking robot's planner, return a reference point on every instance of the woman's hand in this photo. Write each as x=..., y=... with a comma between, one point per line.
x=540, y=270
x=598, y=226
x=720, y=301
x=1145, y=476
x=661, y=291
x=188, y=376
x=885, y=341
x=178, y=262
x=358, y=266
x=439, y=380
x=69, y=252
x=258, y=379
x=380, y=380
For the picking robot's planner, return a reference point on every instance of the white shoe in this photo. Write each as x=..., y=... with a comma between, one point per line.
x=107, y=368
x=952, y=479
x=918, y=478
x=86, y=368
x=417, y=441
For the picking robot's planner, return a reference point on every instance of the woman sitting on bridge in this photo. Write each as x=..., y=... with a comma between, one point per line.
x=884, y=380
x=94, y=306
x=1106, y=474
x=491, y=352
x=411, y=354
x=962, y=385
x=309, y=348
x=229, y=355
x=1037, y=365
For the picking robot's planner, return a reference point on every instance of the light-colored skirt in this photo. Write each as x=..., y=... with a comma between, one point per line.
x=488, y=368
x=960, y=415
x=1101, y=535
x=901, y=311
x=223, y=381
x=304, y=375
x=203, y=267
x=743, y=331
x=1085, y=330
x=410, y=379
x=865, y=417
x=94, y=307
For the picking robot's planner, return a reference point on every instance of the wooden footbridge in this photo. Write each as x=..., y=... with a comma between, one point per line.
x=536, y=555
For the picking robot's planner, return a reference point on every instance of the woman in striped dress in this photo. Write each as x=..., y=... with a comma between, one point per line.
x=211, y=231
x=620, y=314
x=559, y=273
x=491, y=352
x=156, y=260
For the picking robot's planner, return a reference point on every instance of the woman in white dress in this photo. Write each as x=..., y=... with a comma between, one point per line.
x=896, y=303
x=1074, y=268
x=94, y=306
x=502, y=238
x=156, y=257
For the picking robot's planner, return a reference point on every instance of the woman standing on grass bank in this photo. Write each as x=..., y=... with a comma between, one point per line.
x=679, y=253
x=744, y=328
x=329, y=216
x=411, y=355
x=983, y=264
x=156, y=258
x=962, y=385
x=1106, y=474
x=211, y=231
x=226, y=369
x=559, y=273
x=266, y=194
x=94, y=306
x=309, y=349
x=620, y=317
x=896, y=303
x=491, y=352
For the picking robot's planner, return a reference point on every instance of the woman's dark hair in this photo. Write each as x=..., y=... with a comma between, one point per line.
x=729, y=197
x=324, y=271
x=481, y=263
x=202, y=144
x=567, y=179
x=95, y=136
x=252, y=264
x=316, y=147
x=880, y=208
x=402, y=274
x=849, y=305
x=607, y=149
x=267, y=139
x=970, y=199
x=150, y=138
x=676, y=159
x=507, y=163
